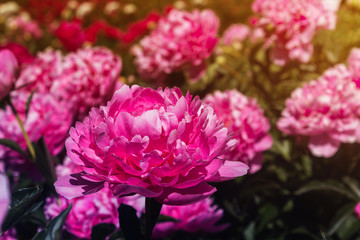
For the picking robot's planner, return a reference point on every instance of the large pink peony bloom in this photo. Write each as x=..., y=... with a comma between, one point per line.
x=158, y=144
x=235, y=33
x=291, y=25
x=200, y=217
x=85, y=78
x=181, y=41
x=327, y=110
x=247, y=122
x=8, y=67
x=47, y=117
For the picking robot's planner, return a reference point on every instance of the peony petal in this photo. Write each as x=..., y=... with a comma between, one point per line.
x=323, y=146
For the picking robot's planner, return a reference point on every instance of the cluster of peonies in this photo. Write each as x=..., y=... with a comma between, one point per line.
x=327, y=110
x=156, y=143
x=200, y=217
x=8, y=67
x=181, y=40
x=290, y=25
x=247, y=122
x=46, y=117
x=85, y=78
x=235, y=33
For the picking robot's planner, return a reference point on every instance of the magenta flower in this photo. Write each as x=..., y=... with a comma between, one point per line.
x=247, y=122
x=181, y=41
x=200, y=217
x=89, y=210
x=290, y=25
x=22, y=54
x=8, y=67
x=71, y=35
x=326, y=110
x=357, y=210
x=86, y=212
x=354, y=65
x=158, y=144
x=85, y=78
x=47, y=117
x=235, y=33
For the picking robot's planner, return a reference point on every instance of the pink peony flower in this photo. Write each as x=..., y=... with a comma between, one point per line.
x=70, y=35
x=89, y=210
x=86, y=212
x=22, y=54
x=8, y=67
x=291, y=25
x=235, y=33
x=158, y=144
x=327, y=110
x=200, y=217
x=354, y=65
x=181, y=41
x=9, y=234
x=27, y=26
x=247, y=122
x=85, y=78
x=47, y=117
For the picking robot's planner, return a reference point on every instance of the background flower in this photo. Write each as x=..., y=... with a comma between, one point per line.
x=8, y=67
x=247, y=122
x=180, y=40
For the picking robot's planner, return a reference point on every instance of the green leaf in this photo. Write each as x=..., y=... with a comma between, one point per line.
x=327, y=186
x=339, y=219
x=23, y=202
x=13, y=145
x=249, y=232
x=152, y=211
x=54, y=229
x=163, y=218
x=102, y=230
x=28, y=102
x=129, y=222
x=350, y=229
x=324, y=236
x=45, y=162
x=267, y=213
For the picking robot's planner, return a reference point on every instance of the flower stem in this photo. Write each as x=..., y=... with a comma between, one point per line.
x=152, y=211
x=26, y=136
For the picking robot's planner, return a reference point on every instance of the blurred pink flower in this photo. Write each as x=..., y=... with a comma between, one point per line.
x=85, y=78
x=200, y=217
x=5, y=196
x=327, y=110
x=235, y=33
x=47, y=117
x=245, y=119
x=354, y=65
x=9, y=234
x=27, y=26
x=158, y=144
x=8, y=67
x=290, y=25
x=181, y=41
x=70, y=34
x=357, y=210
x=22, y=54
